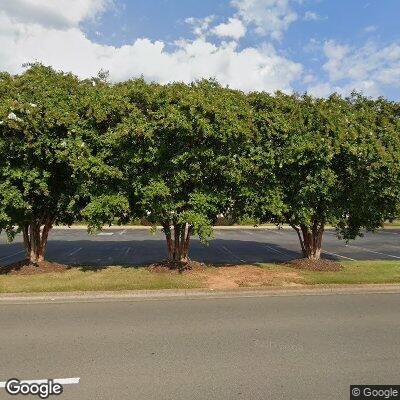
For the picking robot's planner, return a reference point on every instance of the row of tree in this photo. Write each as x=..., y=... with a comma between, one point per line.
x=180, y=155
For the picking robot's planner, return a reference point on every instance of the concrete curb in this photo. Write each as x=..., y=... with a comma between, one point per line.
x=34, y=298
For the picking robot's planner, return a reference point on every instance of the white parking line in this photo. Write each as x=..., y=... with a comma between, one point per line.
x=105, y=234
x=374, y=252
x=122, y=232
x=232, y=254
x=276, y=250
x=75, y=251
x=276, y=231
x=12, y=255
x=63, y=381
x=128, y=250
x=338, y=255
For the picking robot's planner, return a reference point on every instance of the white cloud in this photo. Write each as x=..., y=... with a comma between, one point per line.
x=370, y=62
x=336, y=55
x=313, y=46
x=309, y=78
x=311, y=16
x=271, y=17
x=234, y=29
x=60, y=14
x=66, y=47
x=201, y=26
x=325, y=89
x=368, y=68
x=370, y=28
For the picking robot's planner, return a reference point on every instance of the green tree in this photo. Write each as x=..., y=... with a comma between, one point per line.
x=179, y=150
x=370, y=165
x=106, y=203
x=45, y=137
x=256, y=194
x=311, y=140
x=10, y=199
x=332, y=160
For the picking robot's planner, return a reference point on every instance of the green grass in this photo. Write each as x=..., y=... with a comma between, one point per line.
x=392, y=225
x=109, y=279
x=354, y=272
x=357, y=272
x=117, y=278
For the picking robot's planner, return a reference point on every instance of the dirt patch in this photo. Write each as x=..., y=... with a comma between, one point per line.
x=316, y=265
x=168, y=266
x=231, y=277
x=27, y=268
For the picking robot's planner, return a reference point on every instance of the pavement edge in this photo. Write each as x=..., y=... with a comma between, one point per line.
x=34, y=298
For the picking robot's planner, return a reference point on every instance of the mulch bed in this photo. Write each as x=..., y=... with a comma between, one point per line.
x=27, y=268
x=316, y=265
x=168, y=266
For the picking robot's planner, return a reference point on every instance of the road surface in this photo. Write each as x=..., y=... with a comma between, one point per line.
x=286, y=347
x=237, y=246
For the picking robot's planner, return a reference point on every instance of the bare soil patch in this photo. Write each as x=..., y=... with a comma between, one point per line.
x=316, y=265
x=27, y=268
x=168, y=266
x=231, y=277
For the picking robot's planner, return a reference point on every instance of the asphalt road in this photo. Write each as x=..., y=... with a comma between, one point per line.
x=286, y=347
x=135, y=247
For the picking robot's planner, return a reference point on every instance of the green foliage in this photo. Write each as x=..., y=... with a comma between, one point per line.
x=42, y=138
x=53, y=150
x=307, y=153
x=325, y=161
x=257, y=194
x=179, y=150
x=370, y=163
x=103, y=209
x=180, y=155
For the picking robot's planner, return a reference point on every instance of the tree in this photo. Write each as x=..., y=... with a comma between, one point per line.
x=307, y=177
x=106, y=203
x=327, y=155
x=44, y=139
x=10, y=199
x=178, y=149
x=370, y=166
x=180, y=155
x=257, y=195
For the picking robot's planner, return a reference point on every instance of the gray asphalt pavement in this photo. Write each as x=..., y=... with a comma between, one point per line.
x=287, y=347
x=135, y=247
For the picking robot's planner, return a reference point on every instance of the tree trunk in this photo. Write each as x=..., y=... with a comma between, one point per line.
x=178, y=244
x=310, y=239
x=35, y=239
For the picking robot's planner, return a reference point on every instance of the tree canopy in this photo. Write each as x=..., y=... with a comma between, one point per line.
x=45, y=139
x=331, y=161
x=181, y=155
x=179, y=147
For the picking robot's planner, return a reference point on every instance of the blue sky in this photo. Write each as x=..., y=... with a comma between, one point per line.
x=318, y=46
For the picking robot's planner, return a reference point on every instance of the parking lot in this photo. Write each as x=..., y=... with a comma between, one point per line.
x=231, y=246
